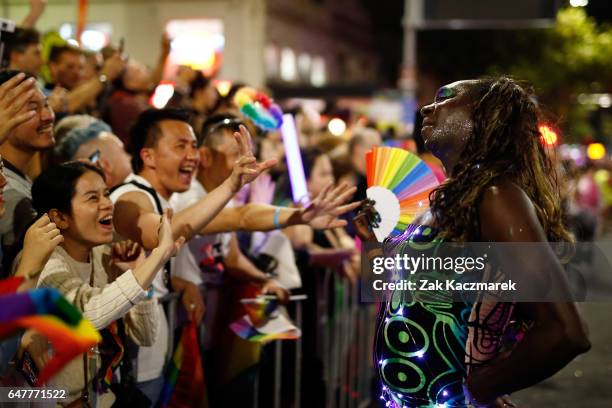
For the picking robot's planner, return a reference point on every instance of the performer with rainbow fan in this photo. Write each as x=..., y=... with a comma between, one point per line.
x=501, y=188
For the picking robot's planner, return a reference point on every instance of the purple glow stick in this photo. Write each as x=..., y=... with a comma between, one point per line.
x=293, y=156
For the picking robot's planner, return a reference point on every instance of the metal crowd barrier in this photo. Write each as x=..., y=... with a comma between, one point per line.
x=345, y=346
x=347, y=343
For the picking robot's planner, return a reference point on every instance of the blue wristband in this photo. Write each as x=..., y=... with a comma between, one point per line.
x=150, y=292
x=276, y=216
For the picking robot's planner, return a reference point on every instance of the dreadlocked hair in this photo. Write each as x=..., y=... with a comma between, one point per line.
x=505, y=144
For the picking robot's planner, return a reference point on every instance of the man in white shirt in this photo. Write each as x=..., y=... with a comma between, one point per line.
x=207, y=258
x=164, y=157
x=208, y=255
x=214, y=257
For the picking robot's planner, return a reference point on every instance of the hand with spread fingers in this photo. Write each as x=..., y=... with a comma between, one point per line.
x=325, y=208
x=246, y=168
x=14, y=96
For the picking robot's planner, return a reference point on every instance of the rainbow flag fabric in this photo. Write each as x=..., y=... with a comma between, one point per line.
x=46, y=311
x=184, y=385
x=264, y=322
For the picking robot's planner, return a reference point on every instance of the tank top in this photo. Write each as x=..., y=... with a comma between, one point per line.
x=425, y=347
x=151, y=360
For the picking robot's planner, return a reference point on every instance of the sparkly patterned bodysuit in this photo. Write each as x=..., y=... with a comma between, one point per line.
x=425, y=347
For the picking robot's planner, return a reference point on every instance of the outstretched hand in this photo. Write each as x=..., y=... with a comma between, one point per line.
x=246, y=168
x=325, y=208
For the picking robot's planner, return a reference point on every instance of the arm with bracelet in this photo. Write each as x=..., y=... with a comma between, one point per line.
x=322, y=213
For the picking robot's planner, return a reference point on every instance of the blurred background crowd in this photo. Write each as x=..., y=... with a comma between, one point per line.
x=353, y=73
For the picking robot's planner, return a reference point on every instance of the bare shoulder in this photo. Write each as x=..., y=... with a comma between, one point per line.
x=507, y=213
x=138, y=199
x=505, y=196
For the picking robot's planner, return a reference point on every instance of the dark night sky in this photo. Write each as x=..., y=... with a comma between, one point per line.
x=601, y=10
x=387, y=22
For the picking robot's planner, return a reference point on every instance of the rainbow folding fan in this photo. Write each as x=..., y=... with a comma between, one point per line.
x=399, y=183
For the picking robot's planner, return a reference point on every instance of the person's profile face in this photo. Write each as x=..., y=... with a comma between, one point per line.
x=31, y=60
x=321, y=175
x=119, y=160
x=176, y=155
x=448, y=122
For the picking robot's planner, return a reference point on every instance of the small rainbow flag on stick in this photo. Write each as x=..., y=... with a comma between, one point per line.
x=263, y=322
x=49, y=313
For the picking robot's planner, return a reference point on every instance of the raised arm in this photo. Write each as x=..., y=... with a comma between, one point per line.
x=135, y=217
x=37, y=8
x=558, y=333
x=88, y=91
x=322, y=213
x=158, y=71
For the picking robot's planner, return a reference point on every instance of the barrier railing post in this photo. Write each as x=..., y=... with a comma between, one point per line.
x=256, y=391
x=298, y=359
x=322, y=302
x=345, y=338
x=278, y=367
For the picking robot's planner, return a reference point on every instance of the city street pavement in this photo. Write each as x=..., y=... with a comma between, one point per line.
x=586, y=381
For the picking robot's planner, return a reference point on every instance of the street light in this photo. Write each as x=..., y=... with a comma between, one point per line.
x=579, y=3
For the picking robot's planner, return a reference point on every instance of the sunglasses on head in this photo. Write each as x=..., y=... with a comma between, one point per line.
x=232, y=124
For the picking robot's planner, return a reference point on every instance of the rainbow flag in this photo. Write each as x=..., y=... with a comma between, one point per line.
x=184, y=385
x=263, y=322
x=50, y=314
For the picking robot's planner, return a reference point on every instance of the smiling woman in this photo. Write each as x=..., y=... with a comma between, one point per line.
x=104, y=283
